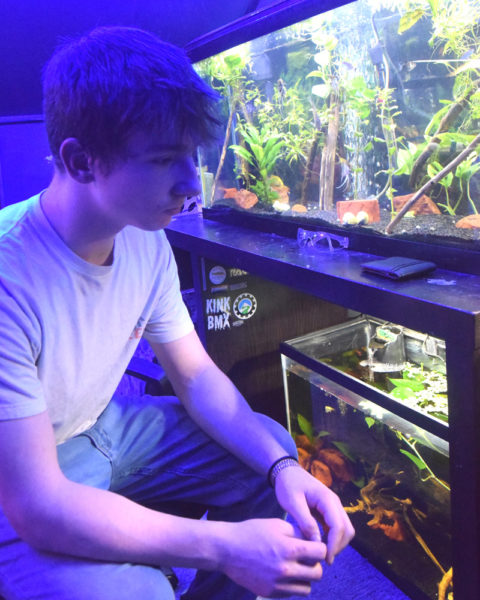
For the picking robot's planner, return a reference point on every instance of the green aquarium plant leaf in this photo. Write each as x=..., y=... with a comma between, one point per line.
x=345, y=449
x=305, y=427
x=315, y=74
x=409, y=19
x=402, y=393
x=322, y=433
x=413, y=384
x=360, y=482
x=262, y=150
x=415, y=459
x=370, y=421
x=241, y=151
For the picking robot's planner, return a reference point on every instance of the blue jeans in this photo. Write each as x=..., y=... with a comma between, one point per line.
x=149, y=450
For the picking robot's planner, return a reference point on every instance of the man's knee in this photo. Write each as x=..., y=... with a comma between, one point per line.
x=98, y=581
x=139, y=582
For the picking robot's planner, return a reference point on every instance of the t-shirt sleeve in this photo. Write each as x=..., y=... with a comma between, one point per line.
x=21, y=393
x=170, y=319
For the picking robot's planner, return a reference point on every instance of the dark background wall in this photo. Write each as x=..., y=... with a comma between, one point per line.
x=30, y=30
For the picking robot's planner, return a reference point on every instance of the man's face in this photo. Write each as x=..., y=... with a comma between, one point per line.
x=150, y=186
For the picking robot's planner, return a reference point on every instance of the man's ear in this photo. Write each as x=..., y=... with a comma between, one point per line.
x=78, y=163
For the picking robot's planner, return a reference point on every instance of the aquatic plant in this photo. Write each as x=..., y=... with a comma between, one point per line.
x=414, y=455
x=440, y=125
x=360, y=98
x=424, y=389
x=433, y=168
x=394, y=515
x=438, y=177
x=262, y=151
x=347, y=97
x=387, y=113
x=381, y=493
x=286, y=114
x=225, y=73
x=465, y=171
x=331, y=462
x=330, y=92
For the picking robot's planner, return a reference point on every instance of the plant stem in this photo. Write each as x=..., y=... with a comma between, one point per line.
x=413, y=448
x=223, y=153
x=421, y=541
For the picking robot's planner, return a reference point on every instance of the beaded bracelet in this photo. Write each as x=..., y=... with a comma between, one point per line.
x=279, y=465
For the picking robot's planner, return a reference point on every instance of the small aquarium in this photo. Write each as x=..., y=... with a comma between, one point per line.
x=364, y=118
x=367, y=404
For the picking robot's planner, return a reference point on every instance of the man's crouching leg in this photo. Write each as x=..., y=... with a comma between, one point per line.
x=258, y=501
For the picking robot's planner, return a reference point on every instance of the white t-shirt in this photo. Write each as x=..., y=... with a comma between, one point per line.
x=68, y=328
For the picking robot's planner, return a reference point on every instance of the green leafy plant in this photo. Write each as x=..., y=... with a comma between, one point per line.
x=432, y=169
x=261, y=151
x=465, y=171
x=359, y=98
x=406, y=157
x=414, y=455
x=422, y=389
x=225, y=73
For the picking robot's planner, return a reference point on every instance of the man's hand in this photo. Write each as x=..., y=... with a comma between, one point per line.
x=267, y=557
x=307, y=499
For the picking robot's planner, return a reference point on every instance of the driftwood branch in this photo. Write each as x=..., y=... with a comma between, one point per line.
x=327, y=167
x=223, y=153
x=309, y=167
x=439, y=176
x=448, y=119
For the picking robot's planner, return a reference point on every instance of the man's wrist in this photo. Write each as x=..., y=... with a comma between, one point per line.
x=278, y=466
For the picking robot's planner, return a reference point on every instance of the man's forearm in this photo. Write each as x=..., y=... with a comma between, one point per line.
x=217, y=406
x=97, y=524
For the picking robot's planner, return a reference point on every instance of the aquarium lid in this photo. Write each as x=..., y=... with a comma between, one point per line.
x=261, y=22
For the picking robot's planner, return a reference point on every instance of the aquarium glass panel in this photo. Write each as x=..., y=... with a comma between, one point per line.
x=342, y=118
x=404, y=365
x=391, y=475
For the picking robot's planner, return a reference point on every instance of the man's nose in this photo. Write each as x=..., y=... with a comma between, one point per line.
x=187, y=182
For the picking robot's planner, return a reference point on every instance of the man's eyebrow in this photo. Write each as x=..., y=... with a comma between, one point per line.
x=159, y=147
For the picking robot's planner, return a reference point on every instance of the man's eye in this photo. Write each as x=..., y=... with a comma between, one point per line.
x=162, y=160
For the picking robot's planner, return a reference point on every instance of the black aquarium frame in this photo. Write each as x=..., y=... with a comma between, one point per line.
x=451, y=255
x=445, y=305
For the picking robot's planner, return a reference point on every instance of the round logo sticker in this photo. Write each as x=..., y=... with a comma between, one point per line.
x=217, y=274
x=245, y=306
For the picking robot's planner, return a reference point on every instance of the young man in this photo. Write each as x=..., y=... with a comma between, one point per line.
x=85, y=268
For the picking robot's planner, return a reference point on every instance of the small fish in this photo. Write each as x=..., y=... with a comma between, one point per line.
x=344, y=174
x=466, y=55
x=407, y=66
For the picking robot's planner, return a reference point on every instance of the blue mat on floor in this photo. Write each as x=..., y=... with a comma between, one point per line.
x=351, y=577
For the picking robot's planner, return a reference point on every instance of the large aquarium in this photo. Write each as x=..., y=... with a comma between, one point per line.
x=364, y=118
x=367, y=405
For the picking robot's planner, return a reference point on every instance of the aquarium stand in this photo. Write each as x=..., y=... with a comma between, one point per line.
x=444, y=304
